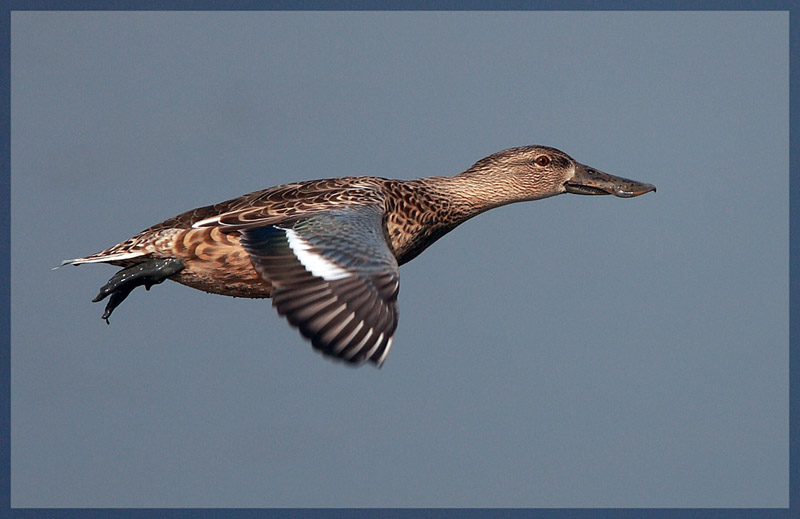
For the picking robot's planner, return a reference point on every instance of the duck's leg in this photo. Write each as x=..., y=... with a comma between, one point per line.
x=147, y=273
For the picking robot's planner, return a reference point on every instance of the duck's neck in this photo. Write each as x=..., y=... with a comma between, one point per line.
x=472, y=192
x=423, y=210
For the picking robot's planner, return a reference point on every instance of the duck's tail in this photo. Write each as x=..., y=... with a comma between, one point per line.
x=106, y=256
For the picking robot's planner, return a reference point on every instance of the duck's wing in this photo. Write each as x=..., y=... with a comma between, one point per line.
x=333, y=274
x=289, y=201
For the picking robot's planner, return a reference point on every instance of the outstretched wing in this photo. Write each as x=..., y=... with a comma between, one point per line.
x=333, y=277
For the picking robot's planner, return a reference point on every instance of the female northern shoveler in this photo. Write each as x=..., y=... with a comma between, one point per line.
x=327, y=251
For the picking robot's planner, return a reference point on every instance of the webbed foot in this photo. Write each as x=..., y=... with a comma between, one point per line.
x=147, y=273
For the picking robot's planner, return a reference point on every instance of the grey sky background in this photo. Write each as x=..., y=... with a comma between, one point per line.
x=570, y=352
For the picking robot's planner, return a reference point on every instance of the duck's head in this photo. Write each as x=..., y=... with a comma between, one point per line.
x=536, y=172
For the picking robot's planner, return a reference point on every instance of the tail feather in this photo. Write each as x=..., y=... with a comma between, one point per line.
x=102, y=257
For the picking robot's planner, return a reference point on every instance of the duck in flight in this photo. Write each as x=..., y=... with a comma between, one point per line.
x=327, y=251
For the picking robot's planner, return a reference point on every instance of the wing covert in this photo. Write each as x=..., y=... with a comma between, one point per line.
x=334, y=278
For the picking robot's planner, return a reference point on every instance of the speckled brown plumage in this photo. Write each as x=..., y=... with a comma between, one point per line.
x=319, y=234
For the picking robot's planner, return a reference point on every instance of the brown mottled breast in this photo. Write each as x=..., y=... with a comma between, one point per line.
x=417, y=216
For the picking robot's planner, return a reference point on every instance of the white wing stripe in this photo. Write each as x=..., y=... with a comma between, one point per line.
x=318, y=265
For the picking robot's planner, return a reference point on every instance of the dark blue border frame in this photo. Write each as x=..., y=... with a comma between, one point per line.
x=5, y=249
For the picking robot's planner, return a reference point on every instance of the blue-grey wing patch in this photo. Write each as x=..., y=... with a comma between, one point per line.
x=334, y=278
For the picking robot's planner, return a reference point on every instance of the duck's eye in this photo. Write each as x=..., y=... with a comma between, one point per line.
x=542, y=160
